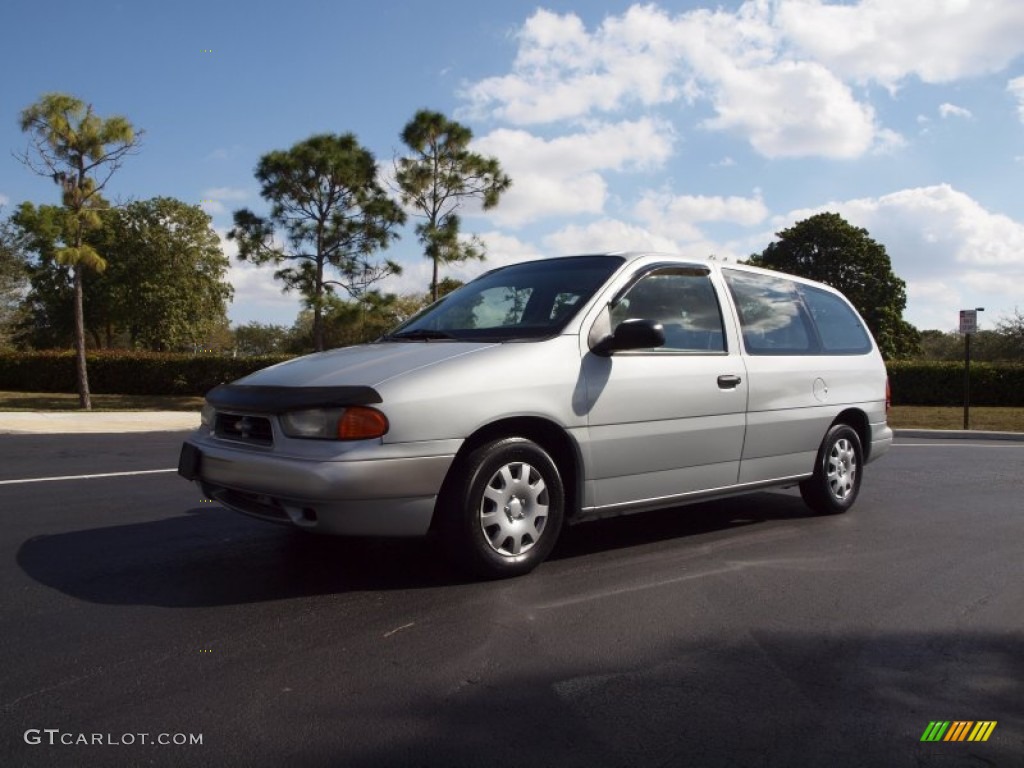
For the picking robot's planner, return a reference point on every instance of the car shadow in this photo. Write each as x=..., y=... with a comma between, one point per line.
x=210, y=556
x=680, y=522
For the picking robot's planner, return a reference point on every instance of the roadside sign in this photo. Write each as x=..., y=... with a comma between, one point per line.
x=968, y=321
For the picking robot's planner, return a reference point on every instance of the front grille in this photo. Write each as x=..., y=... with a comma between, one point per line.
x=255, y=430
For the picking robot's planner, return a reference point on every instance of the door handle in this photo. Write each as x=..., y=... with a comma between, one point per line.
x=729, y=382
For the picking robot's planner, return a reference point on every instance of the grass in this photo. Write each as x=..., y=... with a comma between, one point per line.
x=900, y=417
x=53, y=401
x=934, y=417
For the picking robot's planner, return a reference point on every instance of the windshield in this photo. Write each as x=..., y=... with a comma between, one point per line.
x=532, y=300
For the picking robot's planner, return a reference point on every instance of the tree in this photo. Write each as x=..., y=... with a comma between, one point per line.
x=1011, y=329
x=828, y=249
x=438, y=179
x=80, y=151
x=166, y=281
x=164, y=289
x=13, y=281
x=49, y=308
x=325, y=195
x=444, y=287
x=355, y=322
x=941, y=345
x=261, y=339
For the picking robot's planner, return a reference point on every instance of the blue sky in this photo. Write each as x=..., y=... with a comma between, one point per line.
x=676, y=126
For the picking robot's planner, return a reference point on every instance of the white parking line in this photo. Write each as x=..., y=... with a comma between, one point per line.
x=85, y=477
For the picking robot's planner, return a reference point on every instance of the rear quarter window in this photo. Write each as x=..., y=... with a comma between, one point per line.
x=840, y=329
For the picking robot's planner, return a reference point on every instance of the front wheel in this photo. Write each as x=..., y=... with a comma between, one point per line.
x=503, y=510
x=837, y=472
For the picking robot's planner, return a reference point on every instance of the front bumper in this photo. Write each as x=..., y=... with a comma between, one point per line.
x=392, y=496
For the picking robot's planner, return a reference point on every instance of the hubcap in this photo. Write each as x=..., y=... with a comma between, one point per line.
x=842, y=469
x=514, y=509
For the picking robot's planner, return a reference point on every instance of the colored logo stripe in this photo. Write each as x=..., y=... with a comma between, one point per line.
x=982, y=730
x=958, y=730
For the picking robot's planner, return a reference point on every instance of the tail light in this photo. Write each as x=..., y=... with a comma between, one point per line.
x=888, y=396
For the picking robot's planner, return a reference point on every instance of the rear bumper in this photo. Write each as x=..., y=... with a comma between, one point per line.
x=881, y=441
x=392, y=496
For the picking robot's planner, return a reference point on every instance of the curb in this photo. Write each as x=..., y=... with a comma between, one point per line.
x=96, y=422
x=960, y=434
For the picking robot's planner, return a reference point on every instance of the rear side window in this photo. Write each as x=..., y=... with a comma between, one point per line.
x=841, y=331
x=771, y=315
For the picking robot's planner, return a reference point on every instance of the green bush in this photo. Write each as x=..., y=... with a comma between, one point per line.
x=914, y=382
x=126, y=373
x=918, y=382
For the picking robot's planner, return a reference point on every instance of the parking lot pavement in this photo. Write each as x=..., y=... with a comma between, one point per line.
x=738, y=632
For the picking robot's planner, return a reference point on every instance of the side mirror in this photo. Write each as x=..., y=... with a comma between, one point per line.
x=631, y=334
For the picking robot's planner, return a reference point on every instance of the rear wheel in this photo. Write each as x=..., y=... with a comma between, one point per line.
x=503, y=510
x=837, y=472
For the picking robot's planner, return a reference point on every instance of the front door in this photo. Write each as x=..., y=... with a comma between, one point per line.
x=668, y=421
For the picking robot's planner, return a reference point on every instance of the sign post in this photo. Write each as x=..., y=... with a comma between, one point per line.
x=968, y=325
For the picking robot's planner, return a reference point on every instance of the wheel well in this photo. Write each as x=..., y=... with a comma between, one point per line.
x=859, y=421
x=548, y=435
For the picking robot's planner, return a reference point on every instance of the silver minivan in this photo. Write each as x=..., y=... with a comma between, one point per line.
x=551, y=392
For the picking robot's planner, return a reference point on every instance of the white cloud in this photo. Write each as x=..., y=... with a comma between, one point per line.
x=940, y=239
x=501, y=249
x=676, y=217
x=214, y=199
x=606, y=235
x=794, y=109
x=258, y=296
x=932, y=302
x=1016, y=87
x=952, y=228
x=947, y=110
x=883, y=41
x=560, y=176
x=776, y=73
x=213, y=207
x=562, y=71
x=4, y=199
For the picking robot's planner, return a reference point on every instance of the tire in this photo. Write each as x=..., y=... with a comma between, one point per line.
x=838, y=469
x=503, y=509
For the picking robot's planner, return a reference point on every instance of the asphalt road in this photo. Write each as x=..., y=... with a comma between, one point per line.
x=737, y=633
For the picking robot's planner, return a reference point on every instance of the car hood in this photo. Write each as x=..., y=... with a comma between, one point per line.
x=366, y=365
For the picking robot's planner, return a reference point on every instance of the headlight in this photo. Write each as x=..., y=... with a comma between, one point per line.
x=353, y=423
x=316, y=422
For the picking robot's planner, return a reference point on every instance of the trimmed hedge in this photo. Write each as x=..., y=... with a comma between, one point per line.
x=153, y=373
x=126, y=373
x=916, y=382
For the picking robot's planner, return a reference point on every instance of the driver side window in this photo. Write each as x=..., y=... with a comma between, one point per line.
x=683, y=300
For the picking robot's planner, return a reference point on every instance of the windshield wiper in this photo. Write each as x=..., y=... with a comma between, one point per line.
x=420, y=334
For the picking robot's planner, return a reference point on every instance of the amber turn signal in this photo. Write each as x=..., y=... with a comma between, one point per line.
x=361, y=423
